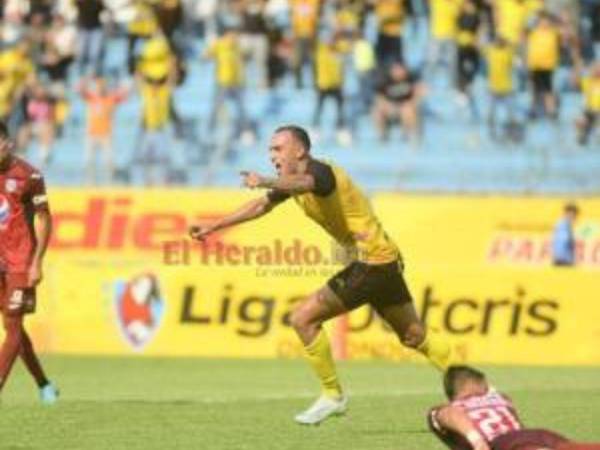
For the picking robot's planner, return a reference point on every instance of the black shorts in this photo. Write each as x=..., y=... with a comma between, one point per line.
x=388, y=49
x=542, y=81
x=16, y=298
x=468, y=65
x=380, y=285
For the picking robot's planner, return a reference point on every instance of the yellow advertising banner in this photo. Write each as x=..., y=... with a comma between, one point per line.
x=122, y=278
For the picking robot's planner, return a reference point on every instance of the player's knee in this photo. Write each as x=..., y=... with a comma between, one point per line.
x=302, y=320
x=413, y=336
x=299, y=319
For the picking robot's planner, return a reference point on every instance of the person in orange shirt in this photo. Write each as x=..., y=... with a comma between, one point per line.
x=101, y=104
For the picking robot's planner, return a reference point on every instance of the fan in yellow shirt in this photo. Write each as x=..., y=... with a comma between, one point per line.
x=7, y=89
x=513, y=16
x=156, y=78
x=305, y=18
x=590, y=89
x=329, y=70
x=143, y=25
x=442, y=29
x=500, y=65
x=543, y=57
x=329, y=196
x=229, y=75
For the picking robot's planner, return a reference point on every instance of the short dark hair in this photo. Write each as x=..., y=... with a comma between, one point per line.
x=457, y=375
x=299, y=133
x=572, y=207
x=4, y=130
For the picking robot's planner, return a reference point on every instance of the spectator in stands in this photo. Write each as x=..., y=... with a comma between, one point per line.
x=390, y=21
x=399, y=96
x=254, y=38
x=15, y=8
x=101, y=104
x=590, y=88
x=512, y=18
x=18, y=68
x=347, y=22
x=305, y=18
x=500, y=64
x=60, y=49
x=442, y=33
x=169, y=15
x=280, y=54
x=563, y=238
x=90, y=35
x=467, y=38
x=12, y=27
x=595, y=28
x=15, y=68
x=143, y=26
x=6, y=94
x=363, y=58
x=41, y=8
x=156, y=82
x=543, y=57
x=40, y=123
x=329, y=84
x=229, y=67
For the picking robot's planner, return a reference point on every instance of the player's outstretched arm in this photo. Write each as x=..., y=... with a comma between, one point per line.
x=290, y=184
x=250, y=211
x=455, y=419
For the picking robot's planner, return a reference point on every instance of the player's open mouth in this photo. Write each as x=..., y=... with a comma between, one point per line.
x=278, y=167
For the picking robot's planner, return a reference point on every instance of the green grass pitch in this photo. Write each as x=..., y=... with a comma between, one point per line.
x=151, y=403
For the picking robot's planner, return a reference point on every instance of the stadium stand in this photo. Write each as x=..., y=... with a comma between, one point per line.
x=455, y=154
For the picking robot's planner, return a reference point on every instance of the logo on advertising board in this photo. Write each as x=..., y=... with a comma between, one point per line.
x=139, y=309
x=532, y=245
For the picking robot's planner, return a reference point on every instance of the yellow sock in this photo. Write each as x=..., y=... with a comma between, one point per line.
x=318, y=353
x=437, y=350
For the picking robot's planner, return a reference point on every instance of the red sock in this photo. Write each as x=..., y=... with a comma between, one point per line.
x=13, y=325
x=31, y=361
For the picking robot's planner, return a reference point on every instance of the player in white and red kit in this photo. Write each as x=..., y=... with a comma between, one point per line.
x=25, y=225
x=478, y=417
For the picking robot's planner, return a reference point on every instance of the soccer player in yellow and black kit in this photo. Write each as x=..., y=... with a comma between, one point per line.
x=329, y=196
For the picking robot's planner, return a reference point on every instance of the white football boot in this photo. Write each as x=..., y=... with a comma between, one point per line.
x=321, y=409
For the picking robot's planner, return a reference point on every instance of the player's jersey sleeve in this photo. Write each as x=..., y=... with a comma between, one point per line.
x=276, y=196
x=323, y=176
x=36, y=194
x=324, y=182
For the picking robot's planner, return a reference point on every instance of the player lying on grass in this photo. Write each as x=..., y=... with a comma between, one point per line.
x=329, y=196
x=478, y=417
x=25, y=224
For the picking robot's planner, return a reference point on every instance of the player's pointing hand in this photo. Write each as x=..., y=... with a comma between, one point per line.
x=251, y=180
x=199, y=233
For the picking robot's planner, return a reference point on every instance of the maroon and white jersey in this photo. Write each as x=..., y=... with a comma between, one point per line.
x=22, y=193
x=492, y=414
